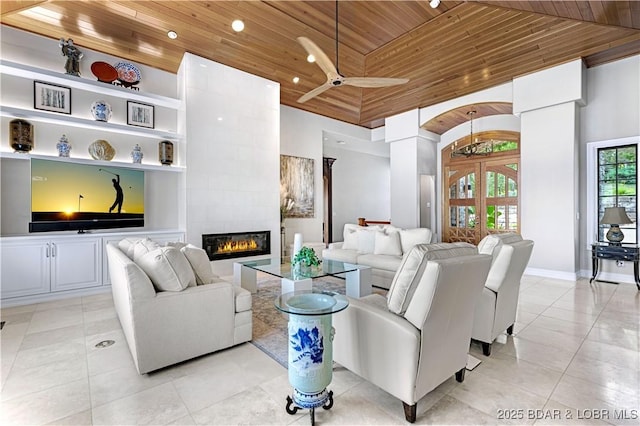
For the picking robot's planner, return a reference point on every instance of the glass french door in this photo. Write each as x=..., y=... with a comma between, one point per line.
x=480, y=198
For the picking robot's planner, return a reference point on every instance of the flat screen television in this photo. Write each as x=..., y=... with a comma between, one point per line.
x=77, y=197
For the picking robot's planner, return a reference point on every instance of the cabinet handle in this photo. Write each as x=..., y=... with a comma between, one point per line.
x=48, y=249
x=53, y=249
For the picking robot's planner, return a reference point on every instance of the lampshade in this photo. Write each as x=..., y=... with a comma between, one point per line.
x=615, y=216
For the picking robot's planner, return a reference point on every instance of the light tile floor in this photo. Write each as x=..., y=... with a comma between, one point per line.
x=574, y=359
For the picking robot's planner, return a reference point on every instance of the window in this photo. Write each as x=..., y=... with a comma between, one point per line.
x=617, y=186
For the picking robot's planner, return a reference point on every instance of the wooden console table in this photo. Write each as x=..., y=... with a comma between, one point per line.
x=630, y=252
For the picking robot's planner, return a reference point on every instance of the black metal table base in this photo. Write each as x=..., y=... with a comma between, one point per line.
x=292, y=408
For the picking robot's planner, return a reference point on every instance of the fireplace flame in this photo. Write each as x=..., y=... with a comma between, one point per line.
x=236, y=246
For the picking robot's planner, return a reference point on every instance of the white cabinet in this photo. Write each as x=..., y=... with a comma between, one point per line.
x=36, y=266
x=25, y=268
x=75, y=264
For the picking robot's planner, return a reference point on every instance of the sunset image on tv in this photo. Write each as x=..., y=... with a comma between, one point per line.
x=68, y=192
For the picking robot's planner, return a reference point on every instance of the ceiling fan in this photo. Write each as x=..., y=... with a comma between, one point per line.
x=334, y=78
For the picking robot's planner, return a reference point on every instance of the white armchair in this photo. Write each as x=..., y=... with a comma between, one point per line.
x=496, y=309
x=416, y=338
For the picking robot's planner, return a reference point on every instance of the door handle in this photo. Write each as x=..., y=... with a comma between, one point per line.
x=53, y=249
x=48, y=252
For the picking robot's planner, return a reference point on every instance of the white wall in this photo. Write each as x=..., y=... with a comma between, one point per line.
x=301, y=135
x=612, y=112
x=360, y=188
x=232, y=128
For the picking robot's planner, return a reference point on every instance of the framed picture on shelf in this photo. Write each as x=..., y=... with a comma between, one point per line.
x=51, y=97
x=140, y=114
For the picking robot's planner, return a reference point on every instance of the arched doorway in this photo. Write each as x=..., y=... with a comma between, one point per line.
x=480, y=186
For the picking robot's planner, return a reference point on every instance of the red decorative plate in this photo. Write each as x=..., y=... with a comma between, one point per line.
x=104, y=71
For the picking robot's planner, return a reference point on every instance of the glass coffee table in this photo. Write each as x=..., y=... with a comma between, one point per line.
x=357, y=277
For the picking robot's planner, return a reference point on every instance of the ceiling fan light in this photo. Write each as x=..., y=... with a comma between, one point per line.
x=311, y=58
x=237, y=25
x=434, y=3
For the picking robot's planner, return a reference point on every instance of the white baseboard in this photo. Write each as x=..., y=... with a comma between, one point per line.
x=550, y=273
x=48, y=297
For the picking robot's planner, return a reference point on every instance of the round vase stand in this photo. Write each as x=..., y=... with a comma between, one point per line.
x=310, y=335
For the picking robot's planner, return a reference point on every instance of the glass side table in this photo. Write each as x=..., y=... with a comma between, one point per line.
x=310, y=332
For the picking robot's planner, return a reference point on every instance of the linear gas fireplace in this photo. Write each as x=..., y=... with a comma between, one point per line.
x=236, y=244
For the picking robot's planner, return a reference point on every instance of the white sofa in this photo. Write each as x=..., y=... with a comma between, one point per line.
x=166, y=327
x=380, y=247
x=417, y=337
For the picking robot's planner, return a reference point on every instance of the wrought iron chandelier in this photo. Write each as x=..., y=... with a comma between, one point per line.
x=475, y=147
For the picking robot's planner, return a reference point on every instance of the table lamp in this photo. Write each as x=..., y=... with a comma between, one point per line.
x=615, y=216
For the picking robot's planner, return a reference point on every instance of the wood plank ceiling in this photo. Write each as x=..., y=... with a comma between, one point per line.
x=456, y=49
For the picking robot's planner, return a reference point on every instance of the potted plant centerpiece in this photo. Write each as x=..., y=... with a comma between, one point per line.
x=304, y=260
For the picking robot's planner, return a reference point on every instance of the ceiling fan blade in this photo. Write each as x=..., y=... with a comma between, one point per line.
x=315, y=92
x=322, y=59
x=373, y=81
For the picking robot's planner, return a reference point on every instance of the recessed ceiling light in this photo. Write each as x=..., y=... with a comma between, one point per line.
x=341, y=142
x=296, y=80
x=237, y=25
x=219, y=118
x=172, y=34
x=434, y=3
x=311, y=58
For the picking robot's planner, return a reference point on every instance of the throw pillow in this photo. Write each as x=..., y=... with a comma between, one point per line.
x=411, y=237
x=177, y=244
x=142, y=247
x=366, y=240
x=126, y=246
x=168, y=269
x=200, y=264
x=387, y=242
x=350, y=239
x=412, y=267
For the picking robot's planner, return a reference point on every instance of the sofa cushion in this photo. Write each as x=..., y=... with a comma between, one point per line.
x=341, y=255
x=200, y=264
x=491, y=243
x=350, y=236
x=411, y=237
x=366, y=240
x=167, y=268
x=177, y=244
x=126, y=246
x=412, y=266
x=387, y=242
x=380, y=261
x=242, y=299
x=144, y=246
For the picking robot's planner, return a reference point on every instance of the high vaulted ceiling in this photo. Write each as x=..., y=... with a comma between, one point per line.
x=456, y=49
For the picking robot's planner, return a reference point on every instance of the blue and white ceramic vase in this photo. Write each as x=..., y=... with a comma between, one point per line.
x=310, y=350
x=136, y=154
x=101, y=111
x=63, y=146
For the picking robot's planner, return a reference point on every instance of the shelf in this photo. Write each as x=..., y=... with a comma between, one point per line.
x=69, y=120
x=27, y=156
x=26, y=71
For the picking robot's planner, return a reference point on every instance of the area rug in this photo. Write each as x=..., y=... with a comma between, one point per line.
x=270, y=325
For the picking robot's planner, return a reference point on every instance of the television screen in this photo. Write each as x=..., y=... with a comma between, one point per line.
x=70, y=196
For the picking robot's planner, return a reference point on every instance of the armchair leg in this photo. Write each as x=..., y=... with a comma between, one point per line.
x=410, y=412
x=460, y=375
x=486, y=348
x=510, y=330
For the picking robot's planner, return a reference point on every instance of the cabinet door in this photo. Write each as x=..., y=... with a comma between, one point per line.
x=25, y=268
x=76, y=264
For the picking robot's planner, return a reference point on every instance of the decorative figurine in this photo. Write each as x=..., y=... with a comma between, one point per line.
x=165, y=153
x=73, y=55
x=21, y=132
x=64, y=147
x=136, y=154
x=101, y=111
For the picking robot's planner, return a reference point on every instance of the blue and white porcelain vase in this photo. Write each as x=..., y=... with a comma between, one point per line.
x=101, y=111
x=63, y=146
x=310, y=350
x=136, y=154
